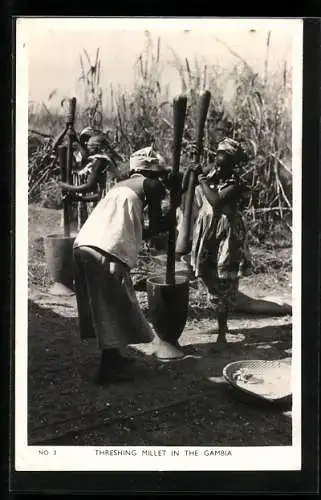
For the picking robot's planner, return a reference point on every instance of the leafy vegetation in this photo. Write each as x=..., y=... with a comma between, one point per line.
x=255, y=110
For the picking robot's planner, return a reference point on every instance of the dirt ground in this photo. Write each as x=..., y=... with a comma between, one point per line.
x=185, y=402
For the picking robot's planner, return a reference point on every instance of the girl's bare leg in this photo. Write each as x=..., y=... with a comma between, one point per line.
x=222, y=327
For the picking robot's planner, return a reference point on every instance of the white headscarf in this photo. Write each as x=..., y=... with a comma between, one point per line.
x=146, y=159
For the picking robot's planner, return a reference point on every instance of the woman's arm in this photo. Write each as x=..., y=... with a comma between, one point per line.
x=112, y=167
x=91, y=183
x=197, y=169
x=218, y=199
x=158, y=222
x=80, y=197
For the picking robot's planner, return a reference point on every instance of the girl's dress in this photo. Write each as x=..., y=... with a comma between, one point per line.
x=220, y=254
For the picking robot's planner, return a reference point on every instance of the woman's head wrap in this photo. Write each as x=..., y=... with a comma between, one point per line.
x=87, y=131
x=98, y=140
x=147, y=159
x=229, y=146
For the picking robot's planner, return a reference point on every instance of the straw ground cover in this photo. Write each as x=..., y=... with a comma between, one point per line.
x=187, y=402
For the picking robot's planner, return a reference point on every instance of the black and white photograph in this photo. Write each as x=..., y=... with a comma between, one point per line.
x=158, y=244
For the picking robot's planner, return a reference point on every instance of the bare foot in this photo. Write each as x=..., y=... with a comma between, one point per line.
x=221, y=339
x=220, y=343
x=168, y=352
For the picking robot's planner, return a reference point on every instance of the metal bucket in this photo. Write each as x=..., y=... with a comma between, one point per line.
x=59, y=257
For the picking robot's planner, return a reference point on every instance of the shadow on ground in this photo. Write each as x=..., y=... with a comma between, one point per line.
x=181, y=403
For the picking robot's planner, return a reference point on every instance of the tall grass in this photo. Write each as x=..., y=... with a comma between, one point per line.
x=92, y=91
x=252, y=109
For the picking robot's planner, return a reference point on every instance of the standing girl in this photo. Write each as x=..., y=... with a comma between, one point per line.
x=219, y=250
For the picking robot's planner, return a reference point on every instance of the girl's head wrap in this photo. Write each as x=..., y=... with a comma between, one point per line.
x=229, y=146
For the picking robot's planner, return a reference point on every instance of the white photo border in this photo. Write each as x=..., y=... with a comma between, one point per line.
x=83, y=458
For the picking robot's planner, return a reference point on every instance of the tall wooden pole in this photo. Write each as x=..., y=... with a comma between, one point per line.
x=179, y=110
x=70, y=137
x=62, y=153
x=183, y=240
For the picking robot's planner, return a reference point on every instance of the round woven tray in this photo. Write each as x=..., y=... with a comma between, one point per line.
x=260, y=369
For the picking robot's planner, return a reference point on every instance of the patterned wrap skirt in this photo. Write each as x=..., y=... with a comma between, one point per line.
x=108, y=309
x=225, y=260
x=220, y=254
x=222, y=293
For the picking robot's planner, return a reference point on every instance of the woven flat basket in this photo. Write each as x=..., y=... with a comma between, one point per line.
x=265, y=380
